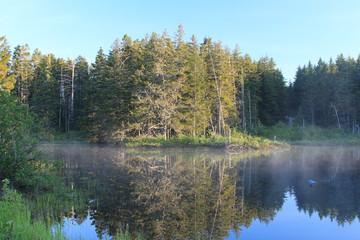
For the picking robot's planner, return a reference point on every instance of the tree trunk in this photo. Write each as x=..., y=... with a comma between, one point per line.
x=312, y=116
x=218, y=91
x=243, y=100
x=71, y=117
x=62, y=95
x=337, y=116
x=250, y=120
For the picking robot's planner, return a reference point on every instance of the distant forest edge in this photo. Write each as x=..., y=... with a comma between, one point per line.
x=163, y=85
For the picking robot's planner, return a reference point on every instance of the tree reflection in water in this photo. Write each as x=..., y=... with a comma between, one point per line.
x=204, y=193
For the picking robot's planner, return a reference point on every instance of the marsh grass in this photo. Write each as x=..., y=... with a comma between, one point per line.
x=308, y=134
x=178, y=141
x=125, y=235
x=236, y=138
x=15, y=219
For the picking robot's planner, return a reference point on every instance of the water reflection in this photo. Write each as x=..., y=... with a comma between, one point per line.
x=203, y=193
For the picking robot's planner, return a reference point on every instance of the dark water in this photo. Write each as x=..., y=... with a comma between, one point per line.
x=210, y=194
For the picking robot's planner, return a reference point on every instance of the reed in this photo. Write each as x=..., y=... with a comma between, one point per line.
x=15, y=219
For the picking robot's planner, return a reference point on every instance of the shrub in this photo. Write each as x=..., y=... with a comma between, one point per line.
x=18, y=128
x=285, y=132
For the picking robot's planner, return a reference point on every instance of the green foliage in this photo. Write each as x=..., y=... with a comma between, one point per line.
x=18, y=128
x=178, y=141
x=125, y=235
x=280, y=131
x=20, y=160
x=157, y=86
x=15, y=219
x=272, y=101
x=289, y=133
x=327, y=94
x=44, y=93
x=6, y=80
x=167, y=86
x=238, y=140
x=324, y=134
x=254, y=142
x=22, y=71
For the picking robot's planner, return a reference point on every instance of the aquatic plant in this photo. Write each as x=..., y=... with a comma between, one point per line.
x=15, y=218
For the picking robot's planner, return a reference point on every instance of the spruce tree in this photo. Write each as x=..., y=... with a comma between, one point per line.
x=6, y=81
x=81, y=78
x=45, y=97
x=95, y=94
x=22, y=71
x=272, y=103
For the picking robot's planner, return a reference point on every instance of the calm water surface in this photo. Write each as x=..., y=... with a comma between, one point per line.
x=210, y=194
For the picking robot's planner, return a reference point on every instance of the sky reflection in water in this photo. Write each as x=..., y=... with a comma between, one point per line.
x=291, y=224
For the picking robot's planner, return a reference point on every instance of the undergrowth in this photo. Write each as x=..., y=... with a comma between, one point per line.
x=15, y=219
x=236, y=138
x=300, y=134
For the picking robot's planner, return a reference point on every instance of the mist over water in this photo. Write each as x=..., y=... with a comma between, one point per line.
x=202, y=193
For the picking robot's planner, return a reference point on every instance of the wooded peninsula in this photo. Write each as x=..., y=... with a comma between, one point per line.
x=166, y=86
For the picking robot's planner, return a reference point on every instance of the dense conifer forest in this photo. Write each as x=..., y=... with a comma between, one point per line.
x=165, y=85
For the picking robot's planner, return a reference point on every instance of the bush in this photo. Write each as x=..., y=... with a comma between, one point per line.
x=279, y=131
x=18, y=129
x=285, y=132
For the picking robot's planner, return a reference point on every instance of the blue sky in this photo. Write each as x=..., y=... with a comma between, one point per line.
x=291, y=32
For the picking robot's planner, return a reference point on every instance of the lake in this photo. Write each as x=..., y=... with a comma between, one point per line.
x=305, y=192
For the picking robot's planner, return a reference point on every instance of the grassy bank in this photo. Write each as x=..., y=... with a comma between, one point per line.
x=237, y=139
x=307, y=135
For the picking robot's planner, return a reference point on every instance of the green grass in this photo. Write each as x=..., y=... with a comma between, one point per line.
x=237, y=138
x=255, y=142
x=308, y=134
x=17, y=222
x=183, y=140
x=125, y=235
x=178, y=141
x=15, y=219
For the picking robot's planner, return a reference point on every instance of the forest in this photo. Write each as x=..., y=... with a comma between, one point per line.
x=163, y=86
x=166, y=86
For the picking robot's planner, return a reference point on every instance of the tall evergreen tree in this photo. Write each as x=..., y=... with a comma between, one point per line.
x=81, y=79
x=44, y=92
x=194, y=115
x=272, y=103
x=221, y=83
x=22, y=71
x=6, y=81
x=95, y=93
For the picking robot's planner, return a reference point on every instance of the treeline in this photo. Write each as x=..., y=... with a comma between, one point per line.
x=328, y=94
x=162, y=85
x=156, y=85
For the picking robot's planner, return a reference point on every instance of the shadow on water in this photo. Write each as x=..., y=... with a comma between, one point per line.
x=204, y=193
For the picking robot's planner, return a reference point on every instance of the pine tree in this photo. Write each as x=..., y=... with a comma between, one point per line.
x=343, y=91
x=356, y=91
x=22, y=71
x=44, y=92
x=221, y=81
x=6, y=81
x=252, y=91
x=272, y=103
x=158, y=101
x=95, y=92
x=81, y=78
x=194, y=114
